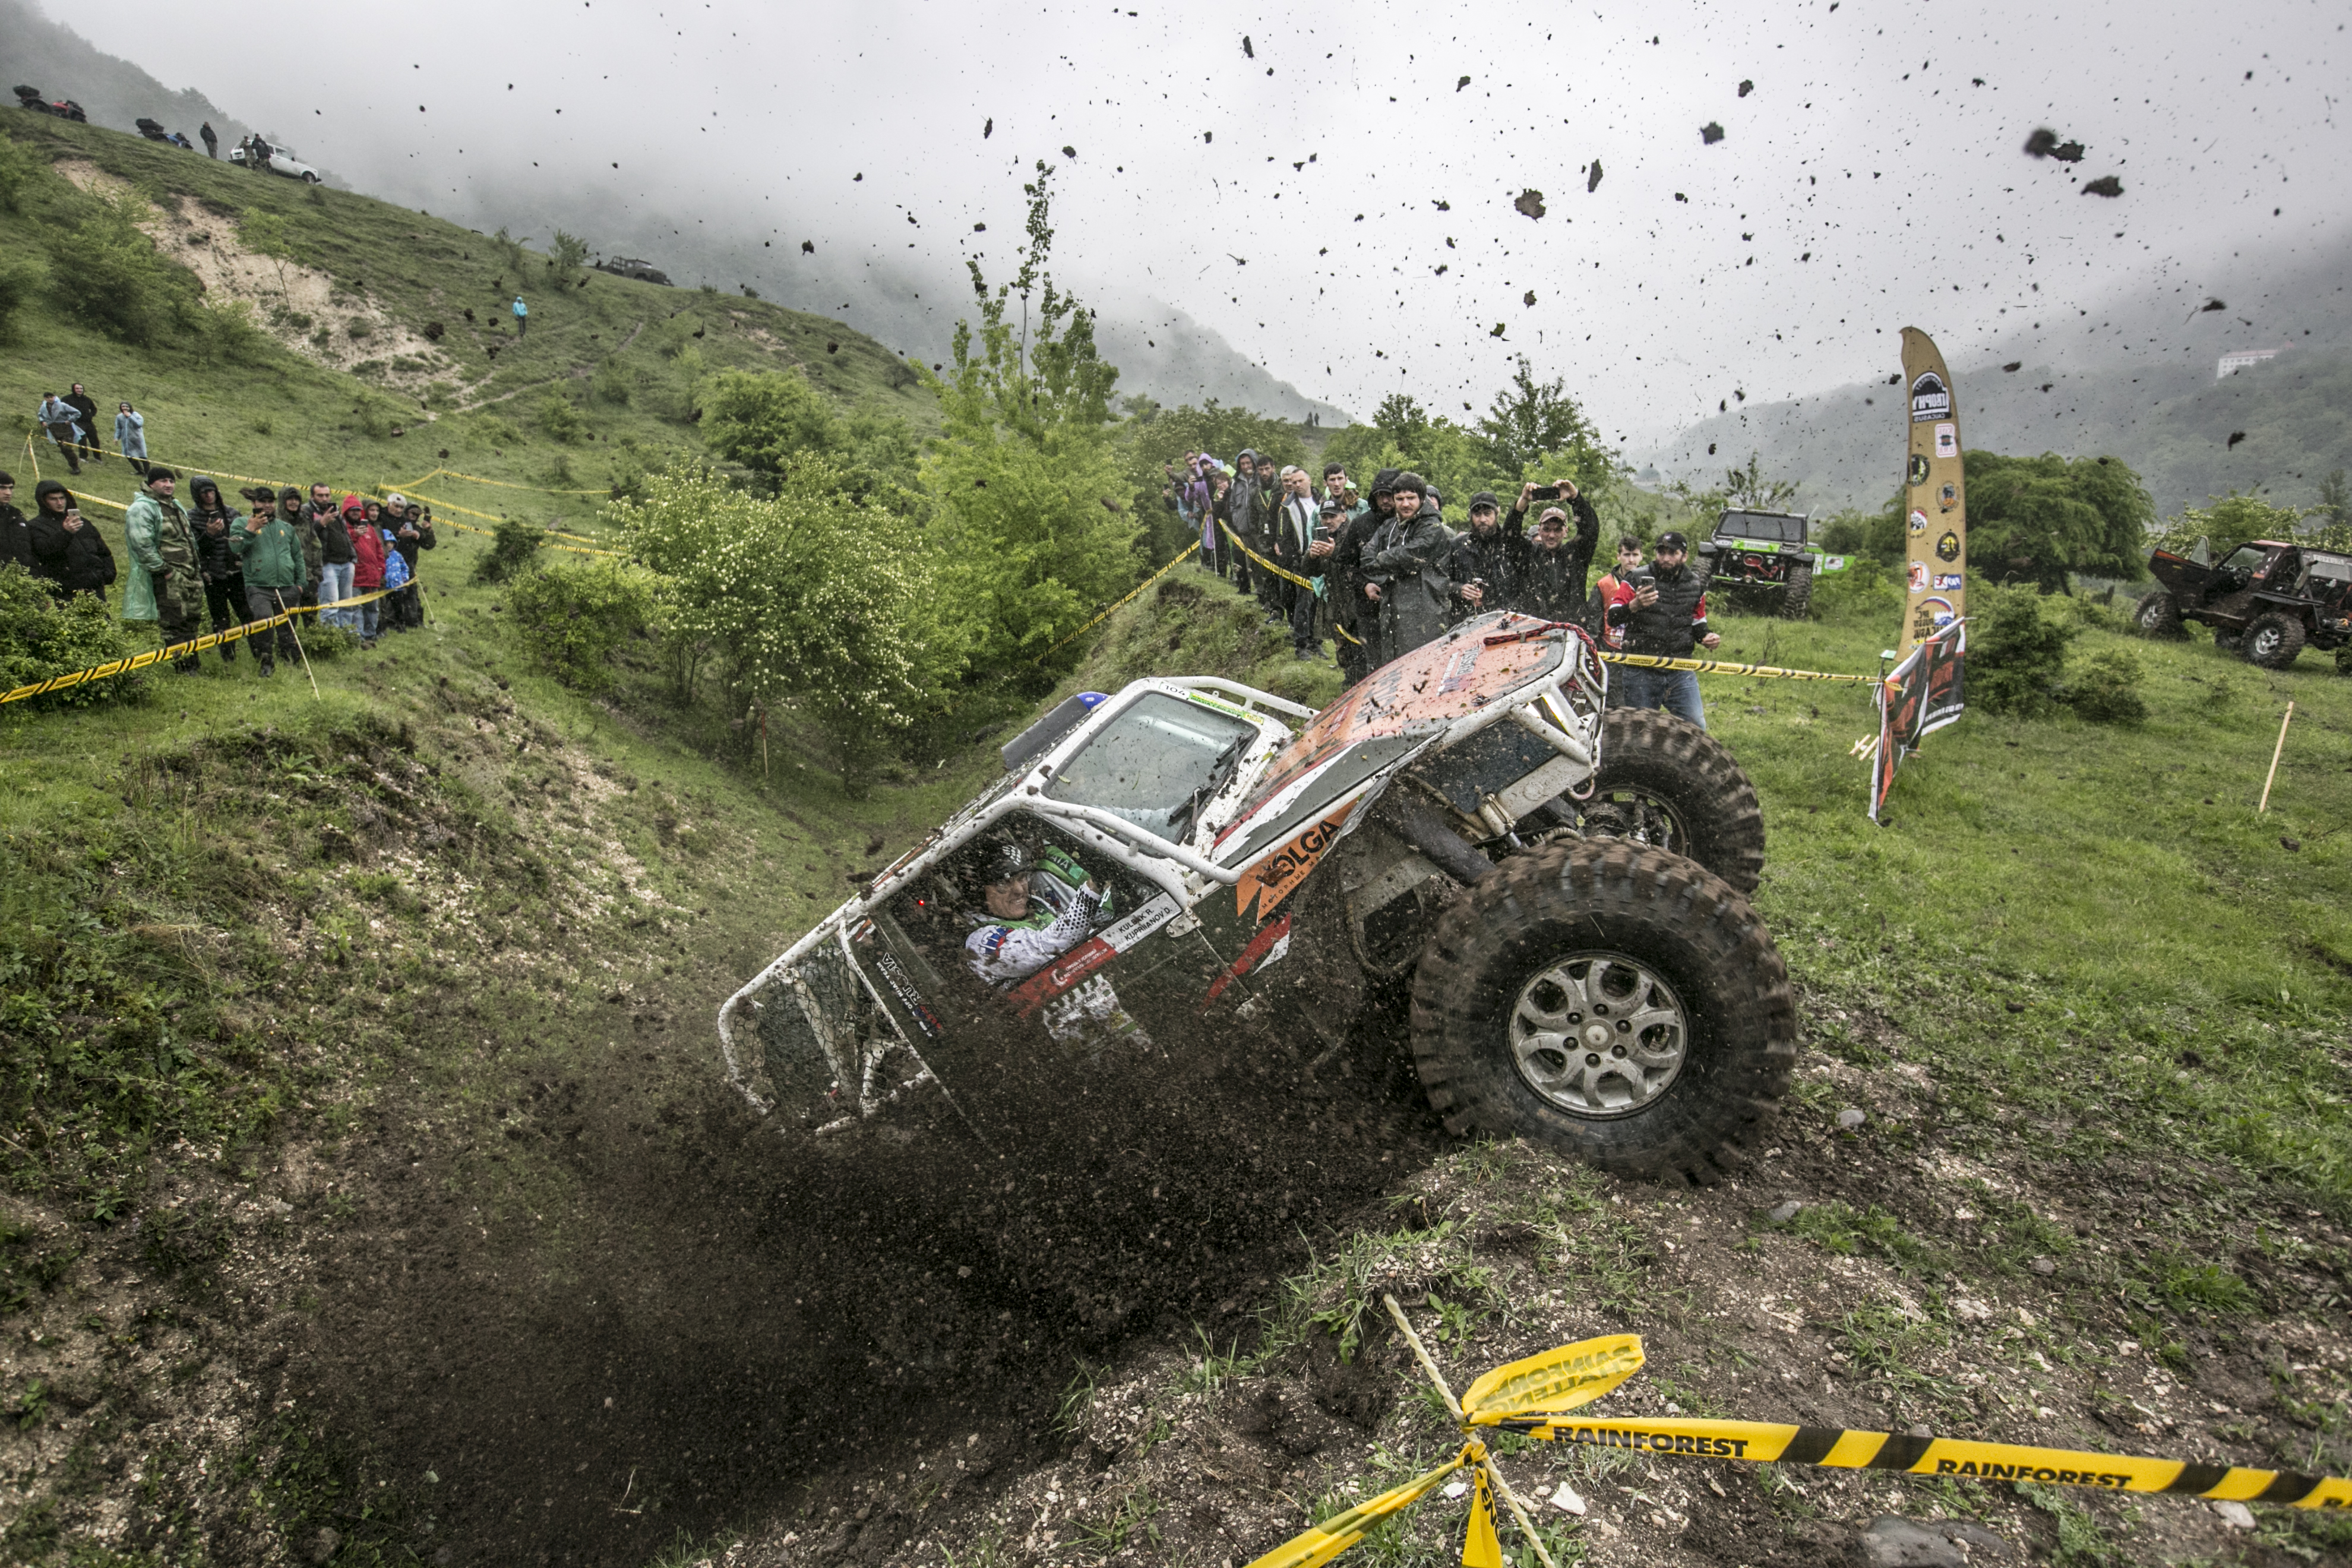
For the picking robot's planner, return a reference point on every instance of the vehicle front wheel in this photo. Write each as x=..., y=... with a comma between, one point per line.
x=2274, y=641
x=1616, y=1004
x=1797, y=598
x=2158, y=616
x=309, y=179
x=1667, y=782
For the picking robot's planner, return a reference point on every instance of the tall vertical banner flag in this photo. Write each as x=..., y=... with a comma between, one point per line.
x=1924, y=691
x=1934, y=497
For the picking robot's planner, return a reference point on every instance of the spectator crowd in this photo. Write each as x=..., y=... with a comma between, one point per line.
x=1381, y=572
x=203, y=556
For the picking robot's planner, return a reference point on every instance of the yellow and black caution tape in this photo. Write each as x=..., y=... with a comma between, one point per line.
x=1180, y=557
x=1847, y=1448
x=501, y=484
x=186, y=649
x=486, y=517
x=1720, y=667
x=1538, y=1398
x=1308, y=583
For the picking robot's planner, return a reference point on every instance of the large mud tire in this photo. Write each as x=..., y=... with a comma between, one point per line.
x=2158, y=616
x=1649, y=759
x=1641, y=908
x=1797, y=597
x=2274, y=641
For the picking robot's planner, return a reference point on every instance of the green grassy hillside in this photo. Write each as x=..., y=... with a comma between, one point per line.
x=623, y=355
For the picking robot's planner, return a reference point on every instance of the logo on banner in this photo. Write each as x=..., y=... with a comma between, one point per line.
x=1919, y=577
x=1276, y=877
x=1918, y=521
x=1917, y=470
x=1948, y=440
x=1932, y=614
x=1948, y=497
x=1948, y=547
x=1931, y=400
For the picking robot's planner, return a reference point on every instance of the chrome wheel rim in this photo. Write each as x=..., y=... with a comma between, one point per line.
x=1636, y=815
x=1599, y=1035
x=2266, y=642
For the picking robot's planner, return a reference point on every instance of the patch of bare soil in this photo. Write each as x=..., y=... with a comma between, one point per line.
x=304, y=308
x=1862, y=1278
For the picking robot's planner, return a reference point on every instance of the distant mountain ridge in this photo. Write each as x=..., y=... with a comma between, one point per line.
x=1846, y=448
x=2138, y=383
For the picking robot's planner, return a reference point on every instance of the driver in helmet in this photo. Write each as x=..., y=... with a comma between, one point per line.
x=1033, y=909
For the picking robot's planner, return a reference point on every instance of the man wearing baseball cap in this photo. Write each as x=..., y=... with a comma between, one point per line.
x=1664, y=614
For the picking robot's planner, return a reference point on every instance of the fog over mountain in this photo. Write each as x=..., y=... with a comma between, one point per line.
x=1732, y=200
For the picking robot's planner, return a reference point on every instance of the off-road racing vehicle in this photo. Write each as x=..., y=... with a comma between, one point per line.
x=1555, y=894
x=1765, y=551
x=2267, y=599
x=629, y=266
x=62, y=108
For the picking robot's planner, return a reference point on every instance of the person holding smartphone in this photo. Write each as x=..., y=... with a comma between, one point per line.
x=1663, y=613
x=1551, y=577
x=68, y=554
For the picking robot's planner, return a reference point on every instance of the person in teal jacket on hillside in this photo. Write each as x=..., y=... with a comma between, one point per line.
x=521, y=316
x=276, y=574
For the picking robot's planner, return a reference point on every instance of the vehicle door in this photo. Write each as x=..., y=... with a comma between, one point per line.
x=2228, y=592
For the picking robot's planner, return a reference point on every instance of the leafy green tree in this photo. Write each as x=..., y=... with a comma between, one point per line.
x=1024, y=473
x=2230, y=520
x=2040, y=519
x=1530, y=420
x=574, y=614
x=770, y=421
x=1747, y=487
x=810, y=602
x=569, y=250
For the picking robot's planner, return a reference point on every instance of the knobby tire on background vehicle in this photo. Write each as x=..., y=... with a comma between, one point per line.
x=1649, y=755
x=2158, y=616
x=1797, y=598
x=2274, y=641
x=1630, y=904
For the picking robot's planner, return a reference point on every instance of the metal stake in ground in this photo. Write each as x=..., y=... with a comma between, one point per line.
x=2263, y=809
x=297, y=644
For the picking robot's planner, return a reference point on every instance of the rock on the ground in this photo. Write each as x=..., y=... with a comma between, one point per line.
x=2236, y=1515
x=1893, y=1542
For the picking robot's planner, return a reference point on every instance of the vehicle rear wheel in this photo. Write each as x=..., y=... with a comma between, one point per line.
x=1613, y=1002
x=1797, y=598
x=2274, y=641
x=2158, y=615
x=1667, y=782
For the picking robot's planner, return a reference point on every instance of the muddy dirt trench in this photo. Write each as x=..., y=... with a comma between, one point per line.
x=624, y=1310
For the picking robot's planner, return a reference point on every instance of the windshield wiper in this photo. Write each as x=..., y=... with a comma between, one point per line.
x=1221, y=774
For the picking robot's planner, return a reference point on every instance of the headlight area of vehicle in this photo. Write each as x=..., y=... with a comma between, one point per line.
x=1188, y=894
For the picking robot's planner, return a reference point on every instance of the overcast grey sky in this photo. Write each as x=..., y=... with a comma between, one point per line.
x=1882, y=140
